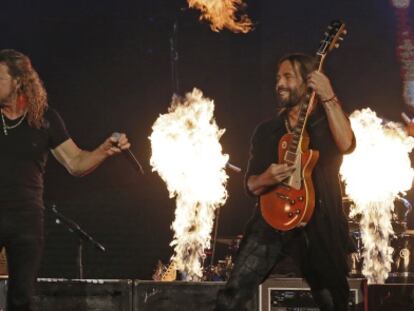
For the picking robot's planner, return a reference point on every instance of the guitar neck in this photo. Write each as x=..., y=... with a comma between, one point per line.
x=299, y=129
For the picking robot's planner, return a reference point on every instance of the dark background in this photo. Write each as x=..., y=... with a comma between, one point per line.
x=106, y=65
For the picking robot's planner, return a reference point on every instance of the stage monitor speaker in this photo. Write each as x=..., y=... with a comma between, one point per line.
x=391, y=297
x=178, y=296
x=293, y=294
x=83, y=295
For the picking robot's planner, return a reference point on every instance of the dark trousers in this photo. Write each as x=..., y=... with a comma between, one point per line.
x=21, y=233
x=262, y=248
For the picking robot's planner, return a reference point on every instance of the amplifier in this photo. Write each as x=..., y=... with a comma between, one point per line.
x=78, y=295
x=391, y=297
x=293, y=294
x=178, y=296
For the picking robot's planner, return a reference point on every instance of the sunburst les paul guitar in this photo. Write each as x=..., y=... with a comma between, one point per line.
x=290, y=204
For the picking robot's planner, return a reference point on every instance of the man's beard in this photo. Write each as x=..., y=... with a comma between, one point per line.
x=294, y=98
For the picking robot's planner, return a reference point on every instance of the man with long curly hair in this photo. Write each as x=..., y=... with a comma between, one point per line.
x=29, y=129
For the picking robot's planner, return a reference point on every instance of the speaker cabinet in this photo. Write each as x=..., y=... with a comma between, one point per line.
x=178, y=296
x=82, y=295
x=391, y=297
x=293, y=294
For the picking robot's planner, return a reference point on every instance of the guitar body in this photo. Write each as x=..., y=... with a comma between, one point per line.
x=291, y=203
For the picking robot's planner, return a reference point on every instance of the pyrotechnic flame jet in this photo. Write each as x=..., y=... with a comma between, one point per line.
x=223, y=14
x=187, y=155
x=375, y=174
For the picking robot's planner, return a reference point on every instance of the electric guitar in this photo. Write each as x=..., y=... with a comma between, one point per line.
x=291, y=203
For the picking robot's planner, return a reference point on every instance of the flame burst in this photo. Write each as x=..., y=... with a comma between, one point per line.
x=222, y=14
x=187, y=155
x=374, y=174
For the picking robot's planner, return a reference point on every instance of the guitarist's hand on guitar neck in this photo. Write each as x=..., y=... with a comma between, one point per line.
x=338, y=121
x=274, y=174
x=320, y=83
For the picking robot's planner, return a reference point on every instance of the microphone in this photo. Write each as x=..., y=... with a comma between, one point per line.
x=233, y=167
x=128, y=153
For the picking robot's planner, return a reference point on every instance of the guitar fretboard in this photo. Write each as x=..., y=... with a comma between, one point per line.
x=297, y=132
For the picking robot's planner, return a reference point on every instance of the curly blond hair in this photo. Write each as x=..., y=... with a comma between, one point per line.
x=31, y=89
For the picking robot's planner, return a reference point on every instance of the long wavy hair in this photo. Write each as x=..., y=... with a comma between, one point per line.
x=304, y=63
x=31, y=92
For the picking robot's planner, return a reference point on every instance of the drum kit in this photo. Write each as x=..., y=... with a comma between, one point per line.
x=221, y=271
x=211, y=272
x=402, y=268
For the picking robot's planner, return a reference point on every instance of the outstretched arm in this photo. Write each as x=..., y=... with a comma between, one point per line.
x=80, y=162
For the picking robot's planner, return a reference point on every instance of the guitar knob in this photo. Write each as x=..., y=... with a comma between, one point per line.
x=300, y=198
x=292, y=202
x=297, y=211
x=290, y=214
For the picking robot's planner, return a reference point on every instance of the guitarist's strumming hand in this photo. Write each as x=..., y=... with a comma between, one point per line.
x=274, y=174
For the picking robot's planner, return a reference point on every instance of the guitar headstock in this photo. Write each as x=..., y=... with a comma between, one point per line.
x=332, y=37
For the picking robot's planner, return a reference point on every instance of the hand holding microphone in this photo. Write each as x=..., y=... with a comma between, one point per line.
x=117, y=143
x=120, y=144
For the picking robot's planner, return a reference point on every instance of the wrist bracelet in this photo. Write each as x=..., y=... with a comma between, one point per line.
x=333, y=98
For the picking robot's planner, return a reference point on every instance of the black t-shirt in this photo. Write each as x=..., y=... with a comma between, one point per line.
x=23, y=156
x=328, y=228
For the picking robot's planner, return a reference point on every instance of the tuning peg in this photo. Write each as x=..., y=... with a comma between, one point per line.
x=340, y=38
x=336, y=45
x=344, y=31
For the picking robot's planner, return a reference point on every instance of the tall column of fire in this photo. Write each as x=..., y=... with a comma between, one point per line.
x=375, y=174
x=187, y=155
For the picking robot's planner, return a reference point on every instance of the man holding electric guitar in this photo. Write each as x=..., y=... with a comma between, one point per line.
x=293, y=171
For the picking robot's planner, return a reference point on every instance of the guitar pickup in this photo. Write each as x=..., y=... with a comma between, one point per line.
x=286, y=198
